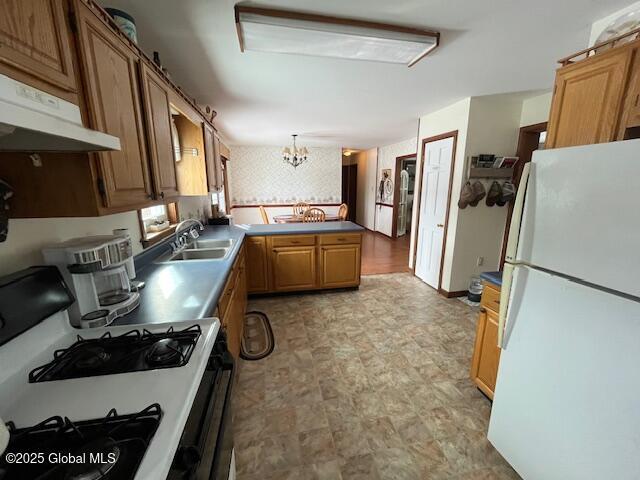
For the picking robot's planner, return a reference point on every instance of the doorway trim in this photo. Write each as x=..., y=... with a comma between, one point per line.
x=453, y=134
x=528, y=141
x=396, y=193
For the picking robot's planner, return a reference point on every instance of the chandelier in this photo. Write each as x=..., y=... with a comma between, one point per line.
x=294, y=156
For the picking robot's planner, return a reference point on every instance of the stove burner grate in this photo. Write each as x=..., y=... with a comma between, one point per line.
x=121, y=439
x=131, y=352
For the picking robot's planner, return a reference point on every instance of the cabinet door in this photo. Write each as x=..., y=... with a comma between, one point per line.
x=217, y=160
x=257, y=278
x=35, y=40
x=110, y=72
x=587, y=100
x=293, y=268
x=209, y=156
x=486, y=355
x=158, y=122
x=339, y=266
x=230, y=325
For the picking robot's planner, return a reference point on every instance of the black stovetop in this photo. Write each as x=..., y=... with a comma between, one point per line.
x=110, y=448
x=134, y=351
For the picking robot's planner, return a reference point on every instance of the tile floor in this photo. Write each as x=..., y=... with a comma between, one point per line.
x=368, y=384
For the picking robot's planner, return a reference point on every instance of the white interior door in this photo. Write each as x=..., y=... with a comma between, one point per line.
x=433, y=209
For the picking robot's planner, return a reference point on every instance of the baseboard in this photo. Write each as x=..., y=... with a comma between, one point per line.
x=459, y=293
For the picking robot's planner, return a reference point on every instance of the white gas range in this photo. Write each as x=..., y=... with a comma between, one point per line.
x=168, y=379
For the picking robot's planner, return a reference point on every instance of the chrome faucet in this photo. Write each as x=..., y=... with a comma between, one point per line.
x=181, y=237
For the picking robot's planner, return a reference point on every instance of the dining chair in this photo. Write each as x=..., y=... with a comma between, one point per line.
x=265, y=217
x=343, y=211
x=300, y=207
x=313, y=215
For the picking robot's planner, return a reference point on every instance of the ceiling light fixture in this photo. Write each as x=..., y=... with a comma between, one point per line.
x=284, y=31
x=294, y=156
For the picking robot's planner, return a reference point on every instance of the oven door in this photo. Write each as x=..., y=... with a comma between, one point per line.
x=206, y=444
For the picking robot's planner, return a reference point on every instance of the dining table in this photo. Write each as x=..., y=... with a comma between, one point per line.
x=328, y=217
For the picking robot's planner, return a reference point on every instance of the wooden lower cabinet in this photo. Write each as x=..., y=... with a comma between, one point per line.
x=339, y=266
x=284, y=263
x=293, y=268
x=257, y=274
x=233, y=305
x=486, y=354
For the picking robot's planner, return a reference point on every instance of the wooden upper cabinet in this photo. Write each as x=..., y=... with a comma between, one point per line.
x=159, y=139
x=588, y=99
x=34, y=40
x=210, y=157
x=110, y=73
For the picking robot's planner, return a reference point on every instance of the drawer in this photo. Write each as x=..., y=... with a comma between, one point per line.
x=490, y=298
x=339, y=239
x=293, y=240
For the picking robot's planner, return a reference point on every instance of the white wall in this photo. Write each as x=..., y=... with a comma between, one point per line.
x=387, y=160
x=536, y=109
x=487, y=124
x=453, y=117
x=366, y=194
x=27, y=236
x=493, y=128
x=258, y=176
x=598, y=26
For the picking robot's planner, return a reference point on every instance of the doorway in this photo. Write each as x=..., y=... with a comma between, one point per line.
x=435, y=177
x=530, y=139
x=350, y=183
x=405, y=180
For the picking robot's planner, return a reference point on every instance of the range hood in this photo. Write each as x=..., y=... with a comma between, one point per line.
x=34, y=121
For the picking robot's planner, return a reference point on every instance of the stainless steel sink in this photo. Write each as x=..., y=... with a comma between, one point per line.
x=202, y=244
x=200, y=254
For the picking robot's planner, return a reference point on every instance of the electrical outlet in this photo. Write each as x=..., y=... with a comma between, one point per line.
x=480, y=261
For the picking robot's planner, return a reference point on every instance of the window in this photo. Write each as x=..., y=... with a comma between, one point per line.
x=221, y=198
x=157, y=222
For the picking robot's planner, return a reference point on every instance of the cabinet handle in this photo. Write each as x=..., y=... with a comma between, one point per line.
x=295, y=241
x=440, y=225
x=483, y=310
x=341, y=239
x=637, y=99
x=161, y=194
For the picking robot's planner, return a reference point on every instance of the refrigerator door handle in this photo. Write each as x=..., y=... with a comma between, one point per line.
x=516, y=215
x=505, y=291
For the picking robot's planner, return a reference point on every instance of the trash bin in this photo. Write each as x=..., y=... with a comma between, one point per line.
x=475, y=289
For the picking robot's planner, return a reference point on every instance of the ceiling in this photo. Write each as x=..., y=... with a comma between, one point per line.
x=487, y=47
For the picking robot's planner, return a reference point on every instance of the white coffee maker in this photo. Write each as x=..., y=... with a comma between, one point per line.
x=99, y=270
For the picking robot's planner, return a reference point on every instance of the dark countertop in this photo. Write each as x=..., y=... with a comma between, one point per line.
x=492, y=277
x=189, y=290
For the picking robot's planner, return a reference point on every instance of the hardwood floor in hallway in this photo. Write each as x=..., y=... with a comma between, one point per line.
x=381, y=254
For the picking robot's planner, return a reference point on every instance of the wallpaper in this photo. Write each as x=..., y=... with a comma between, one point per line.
x=258, y=176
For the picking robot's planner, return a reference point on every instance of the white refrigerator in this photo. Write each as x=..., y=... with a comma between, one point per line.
x=567, y=398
